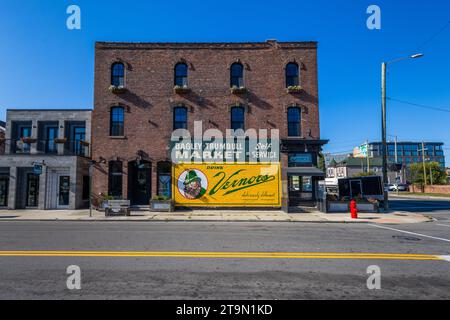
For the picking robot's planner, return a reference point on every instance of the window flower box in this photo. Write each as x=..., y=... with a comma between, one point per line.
x=161, y=204
x=84, y=143
x=28, y=140
x=294, y=89
x=117, y=90
x=60, y=140
x=238, y=90
x=181, y=89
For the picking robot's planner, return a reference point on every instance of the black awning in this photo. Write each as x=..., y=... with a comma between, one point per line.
x=305, y=171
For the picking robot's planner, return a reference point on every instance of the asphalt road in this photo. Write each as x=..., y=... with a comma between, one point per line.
x=236, y=277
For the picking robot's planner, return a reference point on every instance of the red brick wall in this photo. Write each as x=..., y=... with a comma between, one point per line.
x=432, y=189
x=150, y=99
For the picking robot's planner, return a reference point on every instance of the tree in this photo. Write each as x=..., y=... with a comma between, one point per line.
x=438, y=175
x=321, y=162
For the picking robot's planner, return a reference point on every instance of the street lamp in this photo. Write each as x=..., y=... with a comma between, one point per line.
x=383, y=121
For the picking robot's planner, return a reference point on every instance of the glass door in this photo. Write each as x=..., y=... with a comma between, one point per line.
x=52, y=134
x=32, y=190
x=64, y=191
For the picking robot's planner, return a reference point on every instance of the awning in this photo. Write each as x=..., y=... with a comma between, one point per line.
x=305, y=171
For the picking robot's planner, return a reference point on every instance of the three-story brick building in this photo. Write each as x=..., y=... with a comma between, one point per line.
x=143, y=91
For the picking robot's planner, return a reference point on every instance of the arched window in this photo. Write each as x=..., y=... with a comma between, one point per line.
x=237, y=118
x=118, y=74
x=237, y=75
x=181, y=75
x=292, y=78
x=179, y=118
x=117, y=122
x=294, y=119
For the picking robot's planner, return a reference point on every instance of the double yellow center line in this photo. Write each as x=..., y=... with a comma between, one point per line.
x=225, y=255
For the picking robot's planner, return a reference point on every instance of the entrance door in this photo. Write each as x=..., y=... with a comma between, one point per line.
x=4, y=186
x=139, y=182
x=32, y=190
x=63, y=191
x=301, y=191
x=355, y=189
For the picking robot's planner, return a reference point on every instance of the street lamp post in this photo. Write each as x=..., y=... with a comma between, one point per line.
x=383, y=123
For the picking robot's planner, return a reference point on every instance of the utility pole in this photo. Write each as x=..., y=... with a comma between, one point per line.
x=383, y=122
x=424, y=168
x=383, y=134
x=396, y=162
x=368, y=156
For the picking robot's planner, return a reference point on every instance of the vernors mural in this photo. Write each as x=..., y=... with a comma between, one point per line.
x=228, y=185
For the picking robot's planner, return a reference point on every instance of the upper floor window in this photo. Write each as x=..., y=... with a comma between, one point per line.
x=237, y=75
x=238, y=118
x=292, y=73
x=117, y=122
x=294, y=118
x=180, y=118
x=118, y=74
x=181, y=75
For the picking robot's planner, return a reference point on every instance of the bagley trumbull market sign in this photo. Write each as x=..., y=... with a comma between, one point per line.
x=240, y=170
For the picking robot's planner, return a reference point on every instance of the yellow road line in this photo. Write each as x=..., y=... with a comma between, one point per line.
x=228, y=255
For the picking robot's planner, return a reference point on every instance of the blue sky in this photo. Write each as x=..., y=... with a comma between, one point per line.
x=47, y=66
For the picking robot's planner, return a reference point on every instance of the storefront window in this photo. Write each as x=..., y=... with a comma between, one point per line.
x=307, y=184
x=164, y=179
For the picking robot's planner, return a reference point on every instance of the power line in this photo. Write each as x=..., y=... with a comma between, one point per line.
x=434, y=36
x=421, y=105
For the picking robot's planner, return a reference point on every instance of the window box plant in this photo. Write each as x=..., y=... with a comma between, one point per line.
x=161, y=204
x=28, y=140
x=60, y=140
x=181, y=89
x=117, y=89
x=294, y=89
x=84, y=143
x=238, y=90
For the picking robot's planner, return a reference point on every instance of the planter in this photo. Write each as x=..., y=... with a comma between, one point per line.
x=117, y=90
x=181, y=90
x=334, y=206
x=238, y=90
x=294, y=89
x=367, y=207
x=161, y=206
x=84, y=143
x=28, y=140
x=60, y=140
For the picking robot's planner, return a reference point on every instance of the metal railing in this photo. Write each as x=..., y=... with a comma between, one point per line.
x=47, y=146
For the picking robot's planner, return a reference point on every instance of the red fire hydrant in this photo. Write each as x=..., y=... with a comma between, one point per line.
x=353, y=209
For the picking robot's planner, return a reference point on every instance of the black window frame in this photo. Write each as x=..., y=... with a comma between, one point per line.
x=234, y=122
x=176, y=123
x=292, y=80
x=118, y=76
x=237, y=80
x=117, y=127
x=181, y=76
x=297, y=132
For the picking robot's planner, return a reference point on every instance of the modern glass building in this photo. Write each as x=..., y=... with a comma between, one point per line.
x=410, y=152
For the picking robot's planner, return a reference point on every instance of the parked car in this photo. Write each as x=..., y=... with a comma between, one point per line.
x=402, y=187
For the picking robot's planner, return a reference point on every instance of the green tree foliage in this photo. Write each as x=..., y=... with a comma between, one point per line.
x=438, y=175
x=365, y=174
x=321, y=162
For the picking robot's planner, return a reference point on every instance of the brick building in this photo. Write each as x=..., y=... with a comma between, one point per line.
x=143, y=91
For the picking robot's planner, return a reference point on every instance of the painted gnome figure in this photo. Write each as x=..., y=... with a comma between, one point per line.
x=193, y=186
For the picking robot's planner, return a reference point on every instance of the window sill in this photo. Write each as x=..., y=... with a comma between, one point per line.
x=118, y=137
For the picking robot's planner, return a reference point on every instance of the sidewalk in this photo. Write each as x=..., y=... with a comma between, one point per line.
x=214, y=215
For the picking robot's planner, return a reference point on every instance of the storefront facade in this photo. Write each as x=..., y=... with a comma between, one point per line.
x=46, y=160
x=146, y=91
